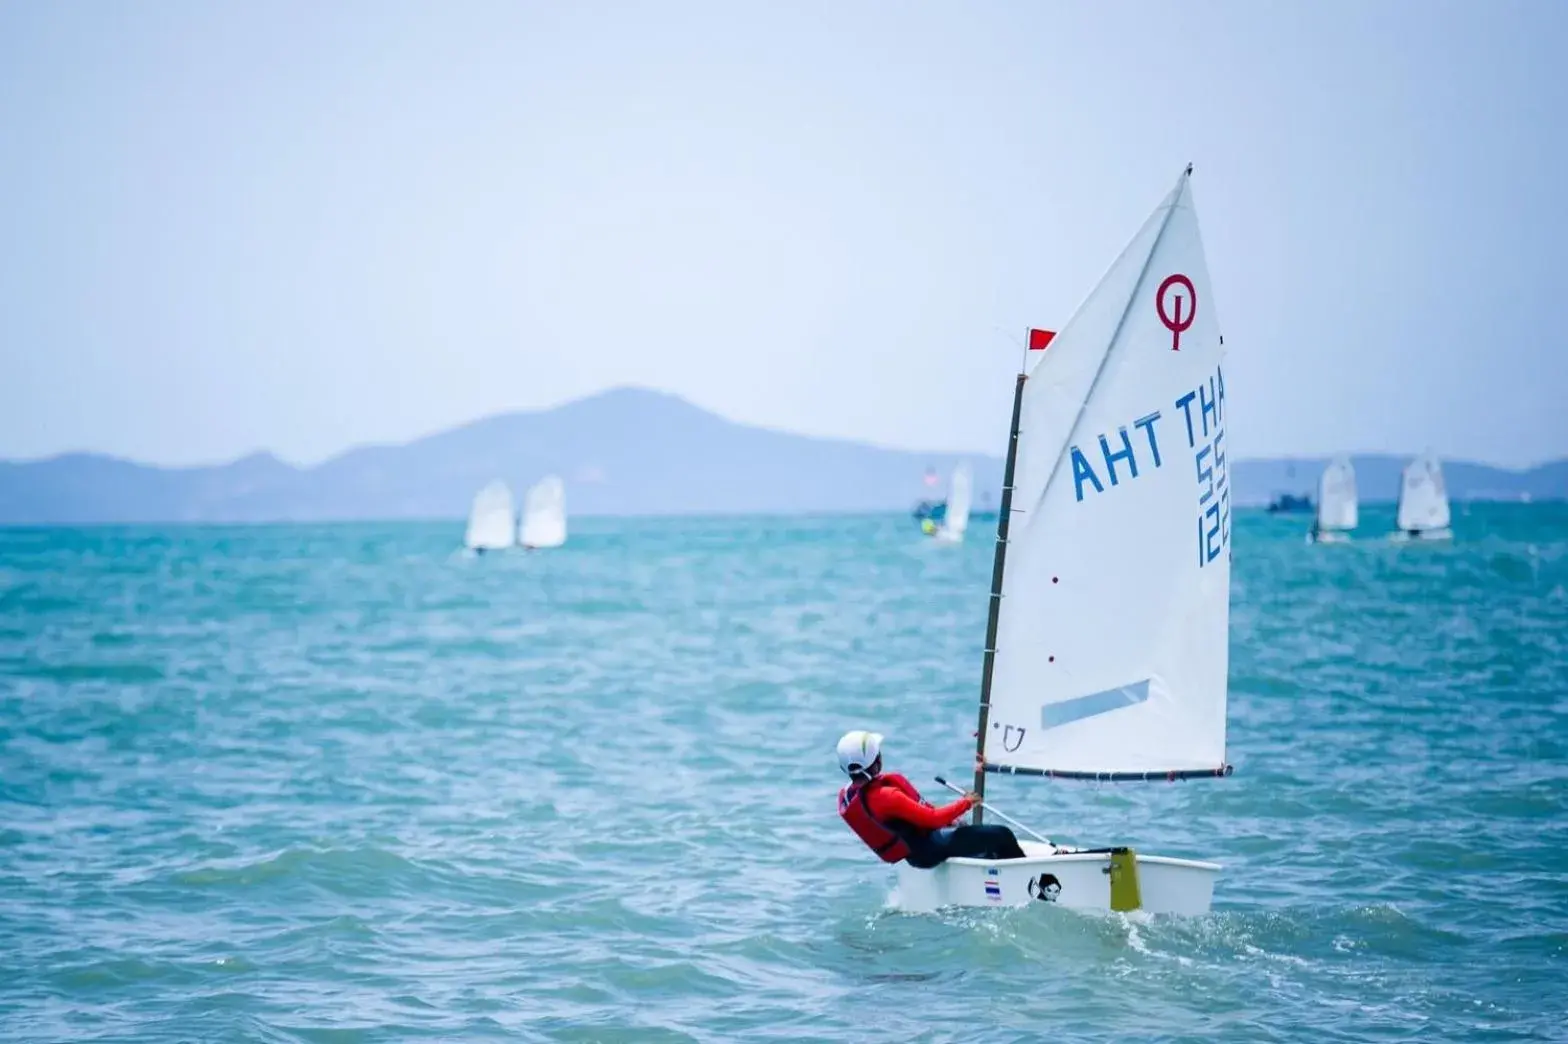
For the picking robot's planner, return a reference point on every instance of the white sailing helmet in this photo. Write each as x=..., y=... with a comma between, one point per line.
x=858, y=751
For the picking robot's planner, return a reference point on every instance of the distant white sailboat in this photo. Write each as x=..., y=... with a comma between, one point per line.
x=1423, y=502
x=1107, y=644
x=490, y=518
x=1338, y=506
x=960, y=493
x=544, y=515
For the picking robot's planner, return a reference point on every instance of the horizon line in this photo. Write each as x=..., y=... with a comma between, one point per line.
x=717, y=514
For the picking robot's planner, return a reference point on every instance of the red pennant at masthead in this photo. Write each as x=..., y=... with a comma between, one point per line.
x=1039, y=339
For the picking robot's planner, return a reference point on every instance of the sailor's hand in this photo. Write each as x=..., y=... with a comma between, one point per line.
x=979, y=762
x=971, y=797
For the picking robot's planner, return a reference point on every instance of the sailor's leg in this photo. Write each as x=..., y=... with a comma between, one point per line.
x=928, y=850
x=991, y=841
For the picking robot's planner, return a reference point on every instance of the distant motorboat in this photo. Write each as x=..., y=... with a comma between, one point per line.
x=1289, y=503
x=936, y=511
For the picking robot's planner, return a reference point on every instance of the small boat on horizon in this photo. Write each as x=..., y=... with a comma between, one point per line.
x=954, y=519
x=490, y=519
x=1338, y=505
x=1424, y=512
x=1290, y=504
x=544, y=515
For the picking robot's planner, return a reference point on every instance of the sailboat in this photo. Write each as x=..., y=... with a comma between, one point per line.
x=490, y=518
x=1423, y=502
x=544, y=514
x=955, y=520
x=1338, y=505
x=1107, y=639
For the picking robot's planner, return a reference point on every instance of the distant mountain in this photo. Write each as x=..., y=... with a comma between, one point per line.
x=626, y=451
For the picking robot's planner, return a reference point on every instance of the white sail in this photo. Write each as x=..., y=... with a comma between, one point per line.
x=544, y=515
x=1338, y=506
x=959, y=494
x=1423, y=498
x=490, y=518
x=1112, y=648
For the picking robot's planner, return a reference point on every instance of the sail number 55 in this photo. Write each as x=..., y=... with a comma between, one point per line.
x=1204, y=411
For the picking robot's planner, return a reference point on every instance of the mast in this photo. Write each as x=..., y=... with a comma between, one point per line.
x=1004, y=517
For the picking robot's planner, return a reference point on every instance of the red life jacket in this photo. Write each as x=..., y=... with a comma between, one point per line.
x=878, y=836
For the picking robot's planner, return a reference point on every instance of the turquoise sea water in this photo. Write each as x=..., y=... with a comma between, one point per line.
x=339, y=783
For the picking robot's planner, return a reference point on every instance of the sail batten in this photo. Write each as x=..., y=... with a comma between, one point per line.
x=1111, y=643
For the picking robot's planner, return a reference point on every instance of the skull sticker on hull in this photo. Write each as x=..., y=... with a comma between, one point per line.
x=1045, y=888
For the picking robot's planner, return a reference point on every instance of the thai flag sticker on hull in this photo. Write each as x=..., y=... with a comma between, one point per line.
x=993, y=885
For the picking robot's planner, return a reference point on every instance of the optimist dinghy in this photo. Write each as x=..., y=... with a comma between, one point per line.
x=1107, y=643
x=544, y=514
x=490, y=519
x=1423, y=512
x=1338, y=505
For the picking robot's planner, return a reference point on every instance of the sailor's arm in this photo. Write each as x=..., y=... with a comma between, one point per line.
x=887, y=804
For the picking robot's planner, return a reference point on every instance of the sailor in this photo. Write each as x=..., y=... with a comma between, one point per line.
x=886, y=812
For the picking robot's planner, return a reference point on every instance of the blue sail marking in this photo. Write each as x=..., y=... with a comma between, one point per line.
x=1055, y=715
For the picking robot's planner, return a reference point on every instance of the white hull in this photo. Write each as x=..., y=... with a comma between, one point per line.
x=1076, y=880
x=1328, y=536
x=1401, y=537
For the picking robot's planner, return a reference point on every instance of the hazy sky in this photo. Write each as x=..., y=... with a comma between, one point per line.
x=300, y=226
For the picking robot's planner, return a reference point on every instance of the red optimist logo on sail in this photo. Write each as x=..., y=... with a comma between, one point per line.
x=1175, y=319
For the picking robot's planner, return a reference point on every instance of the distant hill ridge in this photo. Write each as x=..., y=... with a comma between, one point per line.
x=628, y=451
